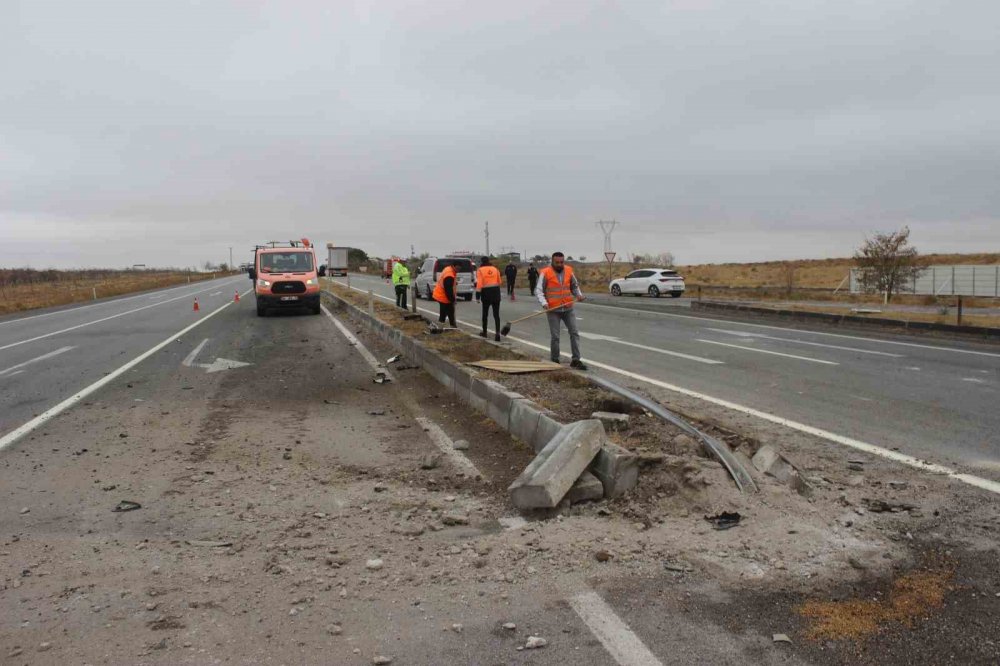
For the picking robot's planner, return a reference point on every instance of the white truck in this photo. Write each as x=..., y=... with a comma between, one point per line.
x=336, y=263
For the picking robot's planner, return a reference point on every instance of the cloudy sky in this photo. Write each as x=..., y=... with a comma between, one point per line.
x=165, y=132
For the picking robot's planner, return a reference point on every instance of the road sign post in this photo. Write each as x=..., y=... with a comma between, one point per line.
x=610, y=257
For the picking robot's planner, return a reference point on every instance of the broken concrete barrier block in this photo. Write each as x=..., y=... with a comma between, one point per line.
x=612, y=420
x=587, y=488
x=524, y=419
x=617, y=468
x=547, y=429
x=768, y=461
x=548, y=478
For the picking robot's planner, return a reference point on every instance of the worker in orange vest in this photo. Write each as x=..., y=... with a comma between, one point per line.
x=557, y=290
x=446, y=293
x=488, y=293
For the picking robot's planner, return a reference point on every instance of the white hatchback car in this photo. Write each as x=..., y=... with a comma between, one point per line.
x=652, y=281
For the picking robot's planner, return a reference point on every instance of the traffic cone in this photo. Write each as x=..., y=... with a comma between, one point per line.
x=196, y=308
x=236, y=298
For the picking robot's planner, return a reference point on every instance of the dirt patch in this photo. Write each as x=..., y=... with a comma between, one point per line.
x=912, y=597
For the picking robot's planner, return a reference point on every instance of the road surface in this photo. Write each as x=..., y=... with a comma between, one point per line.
x=931, y=399
x=290, y=510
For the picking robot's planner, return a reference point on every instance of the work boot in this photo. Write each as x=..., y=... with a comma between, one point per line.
x=497, y=337
x=482, y=334
x=578, y=364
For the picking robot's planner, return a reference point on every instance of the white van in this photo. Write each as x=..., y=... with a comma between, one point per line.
x=430, y=270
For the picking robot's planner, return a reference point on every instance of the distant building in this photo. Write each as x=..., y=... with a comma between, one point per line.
x=511, y=256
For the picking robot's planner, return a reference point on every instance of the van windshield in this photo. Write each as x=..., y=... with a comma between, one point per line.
x=286, y=262
x=461, y=265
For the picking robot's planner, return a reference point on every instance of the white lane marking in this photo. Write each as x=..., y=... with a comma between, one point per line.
x=157, y=297
x=609, y=338
x=97, y=305
x=895, y=456
x=766, y=351
x=913, y=367
x=43, y=357
x=48, y=414
x=215, y=294
x=974, y=380
x=447, y=446
x=621, y=642
x=16, y=372
x=98, y=321
x=747, y=334
x=189, y=359
x=368, y=356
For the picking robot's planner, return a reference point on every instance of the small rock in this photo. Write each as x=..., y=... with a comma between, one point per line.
x=376, y=412
x=781, y=638
x=856, y=480
x=510, y=626
x=460, y=445
x=430, y=461
x=293, y=611
x=43, y=647
x=25, y=510
x=374, y=564
x=602, y=556
x=335, y=630
x=380, y=488
x=455, y=519
x=457, y=628
x=856, y=563
x=535, y=642
x=379, y=659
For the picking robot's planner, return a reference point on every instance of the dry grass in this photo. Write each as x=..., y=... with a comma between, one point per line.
x=51, y=288
x=805, y=273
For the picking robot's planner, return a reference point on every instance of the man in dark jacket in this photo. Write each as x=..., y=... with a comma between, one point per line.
x=510, y=272
x=532, y=277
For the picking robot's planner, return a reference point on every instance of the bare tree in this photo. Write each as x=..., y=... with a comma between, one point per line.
x=887, y=263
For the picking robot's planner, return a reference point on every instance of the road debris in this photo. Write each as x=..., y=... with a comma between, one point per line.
x=725, y=520
x=883, y=506
x=393, y=359
x=209, y=544
x=535, y=642
x=780, y=638
x=126, y=505
x=460, y=445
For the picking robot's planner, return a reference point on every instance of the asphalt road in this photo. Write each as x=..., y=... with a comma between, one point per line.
x=934, y=400
x=47, y=356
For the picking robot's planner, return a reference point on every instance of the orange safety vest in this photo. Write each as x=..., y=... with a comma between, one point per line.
x=558, y=295
x=439, y=294
x=487, y=276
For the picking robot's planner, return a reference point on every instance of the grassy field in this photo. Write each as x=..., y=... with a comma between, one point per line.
x=812, y=279
x=26, y=289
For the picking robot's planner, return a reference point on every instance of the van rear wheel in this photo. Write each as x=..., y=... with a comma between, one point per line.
x=261, y=310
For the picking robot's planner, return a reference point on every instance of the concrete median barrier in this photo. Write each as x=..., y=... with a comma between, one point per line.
x=555, y=469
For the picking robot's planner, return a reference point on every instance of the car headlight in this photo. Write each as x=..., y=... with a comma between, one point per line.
x=310, y=281
x=263, y=283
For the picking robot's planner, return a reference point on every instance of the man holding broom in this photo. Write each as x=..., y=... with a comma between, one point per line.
x=557, y=290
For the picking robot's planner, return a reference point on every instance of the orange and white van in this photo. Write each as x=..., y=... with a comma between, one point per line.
x=285, y=275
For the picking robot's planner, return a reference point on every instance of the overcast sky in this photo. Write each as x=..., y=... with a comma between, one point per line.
x=165, y=132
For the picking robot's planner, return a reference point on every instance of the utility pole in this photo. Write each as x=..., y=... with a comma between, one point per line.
x=488, y=238
x=230, y=258
x=607, y=226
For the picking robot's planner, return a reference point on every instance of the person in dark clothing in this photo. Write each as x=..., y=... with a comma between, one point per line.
x=532, y=277
x=510, y=272
x=488, y=293
x=445, y=294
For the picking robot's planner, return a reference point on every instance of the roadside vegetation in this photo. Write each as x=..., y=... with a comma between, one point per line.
x=28, y=289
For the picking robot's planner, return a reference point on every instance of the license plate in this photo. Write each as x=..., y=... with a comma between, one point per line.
x=289, y=298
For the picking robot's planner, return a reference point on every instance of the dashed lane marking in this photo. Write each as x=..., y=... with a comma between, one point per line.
x=52, y=412
x=767, y=351
x=43, y=357
x=616, y=636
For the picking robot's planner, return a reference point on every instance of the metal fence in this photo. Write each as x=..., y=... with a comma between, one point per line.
x=947, y=281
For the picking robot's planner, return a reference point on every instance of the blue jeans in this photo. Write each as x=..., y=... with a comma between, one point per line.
x=567, y=317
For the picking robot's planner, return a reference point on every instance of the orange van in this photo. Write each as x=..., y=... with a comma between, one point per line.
x=285, y=276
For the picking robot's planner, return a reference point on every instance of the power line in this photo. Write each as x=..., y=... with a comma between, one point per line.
x=607, y=226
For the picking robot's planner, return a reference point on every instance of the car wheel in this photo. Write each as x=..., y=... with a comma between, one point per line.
x=261, y=310
x=428, y=292
x=676, y=294
x=616, y=290
x=315, y=309
x=654, y=291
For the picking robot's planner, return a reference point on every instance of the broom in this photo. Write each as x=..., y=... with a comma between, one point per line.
x=506, y=327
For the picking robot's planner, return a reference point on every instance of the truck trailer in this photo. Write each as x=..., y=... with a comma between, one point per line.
x=336, y=263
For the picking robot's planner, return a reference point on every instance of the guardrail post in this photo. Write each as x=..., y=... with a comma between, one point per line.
x=960, y=310
x=371, y=303
x=699, y=293
x=95, y=293
x=414, y=299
